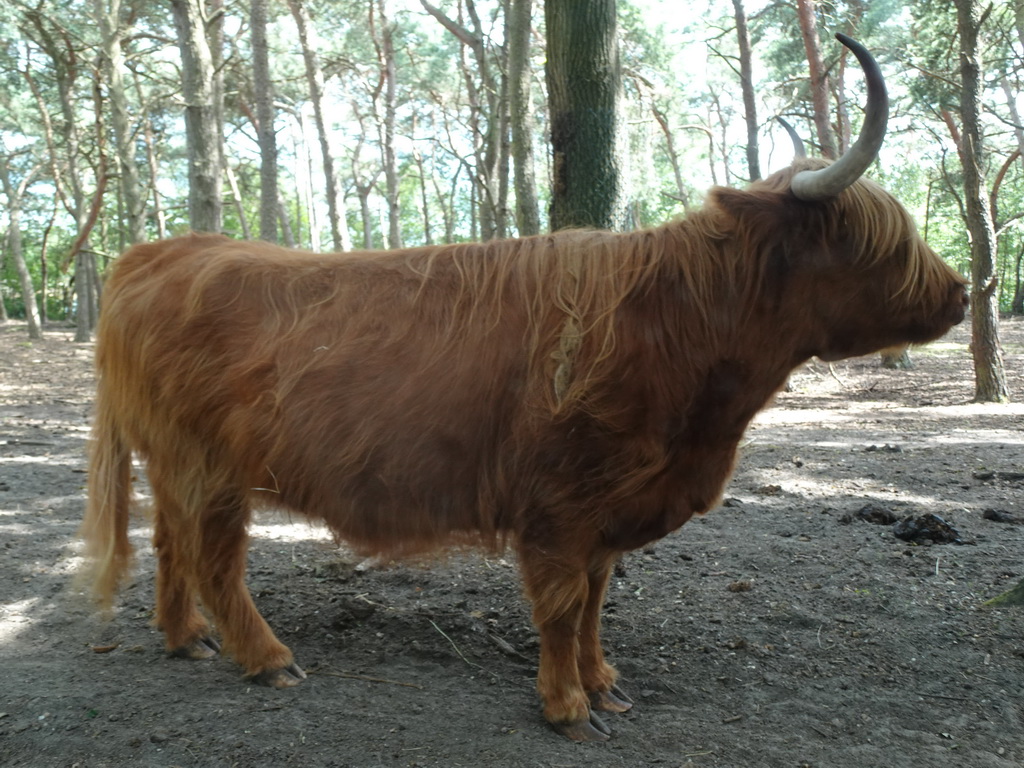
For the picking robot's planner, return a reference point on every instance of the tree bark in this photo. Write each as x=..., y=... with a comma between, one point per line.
x=747, y=86
x=527, y=211
x=202, y=127
x=584, y=91
x=266, y=135
x=819, y=78
x=989, y=372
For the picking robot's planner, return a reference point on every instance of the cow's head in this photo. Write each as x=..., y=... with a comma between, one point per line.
x=840, y=263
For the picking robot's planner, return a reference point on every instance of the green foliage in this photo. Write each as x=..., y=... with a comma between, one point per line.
x=678, y=58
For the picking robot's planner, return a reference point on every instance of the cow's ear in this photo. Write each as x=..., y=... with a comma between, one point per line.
x=767, y=213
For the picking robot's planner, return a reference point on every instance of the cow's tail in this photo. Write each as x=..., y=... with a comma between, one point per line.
x=105, y=527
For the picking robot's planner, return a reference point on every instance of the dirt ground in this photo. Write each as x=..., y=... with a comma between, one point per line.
x=779, y=630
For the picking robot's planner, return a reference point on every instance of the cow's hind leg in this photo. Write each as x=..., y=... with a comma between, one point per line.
x=559, y=589
x=223, y=543
x=598, y=677
x=185, y=629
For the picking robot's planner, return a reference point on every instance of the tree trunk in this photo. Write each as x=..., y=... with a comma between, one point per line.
x=202, y=127
x=989, y=372
x=86, y=282
x=66, y=62
x=520, y=112
x=673, y=155
x=108, y=17
x=417, y=156
x=383, y=36
x=819, y=78
x=365, y=214
x=154, y=170
x=499, y=145
x=266, y=135
x=315, y=80
x=747, y=86
x=236, y=200
x=14, y=196
x=584, y=92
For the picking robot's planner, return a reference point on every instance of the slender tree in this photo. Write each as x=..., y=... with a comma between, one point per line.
x=520, y=115
x=62, y=50
x=584, y=91
x=485, y=73
x=747, y=87
x=202, y=125
x=989, y=371
x=384, y=41
x=265, y=131
x=309, y=43
x=820, y=94
x=108, y=18
x=14, y=194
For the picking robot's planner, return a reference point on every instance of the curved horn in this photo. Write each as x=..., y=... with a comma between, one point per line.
x=798, y=143
x=829, y=182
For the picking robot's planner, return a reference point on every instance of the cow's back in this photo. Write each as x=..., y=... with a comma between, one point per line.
x=335, y=385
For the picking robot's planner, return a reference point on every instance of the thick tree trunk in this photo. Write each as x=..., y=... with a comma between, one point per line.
x=747, y=86
x=819, y=78
x=989, y=371
x=584, y=92
x=202, y=127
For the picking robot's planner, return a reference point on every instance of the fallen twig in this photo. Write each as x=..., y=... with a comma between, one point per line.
x=940, y=696
x=440, y=632
x=365, y=678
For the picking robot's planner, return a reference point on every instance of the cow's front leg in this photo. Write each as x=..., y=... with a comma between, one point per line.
x=559, y=593
x=223, y=544
x=598, y=677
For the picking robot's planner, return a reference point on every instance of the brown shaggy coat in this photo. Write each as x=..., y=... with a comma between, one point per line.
x=575, y=396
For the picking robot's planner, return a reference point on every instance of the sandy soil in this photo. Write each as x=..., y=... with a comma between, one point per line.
x=779, y=630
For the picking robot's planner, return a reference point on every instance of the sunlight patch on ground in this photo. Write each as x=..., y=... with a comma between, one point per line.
x=850, y=411
x=14, y=617
x=940, y=349
x=278, y=527
x=818, y=416
x=48, y=460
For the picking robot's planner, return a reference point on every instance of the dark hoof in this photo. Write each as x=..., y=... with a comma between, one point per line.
x=285, y=677
x=611, y=701
x=593, y=729
x=200, y=648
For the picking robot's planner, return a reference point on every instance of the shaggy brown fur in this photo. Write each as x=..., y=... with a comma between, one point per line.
x=574, y=395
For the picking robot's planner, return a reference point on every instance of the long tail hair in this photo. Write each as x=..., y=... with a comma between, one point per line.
x=105, y=526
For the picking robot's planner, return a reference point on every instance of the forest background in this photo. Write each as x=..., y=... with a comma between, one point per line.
x=398, y=122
